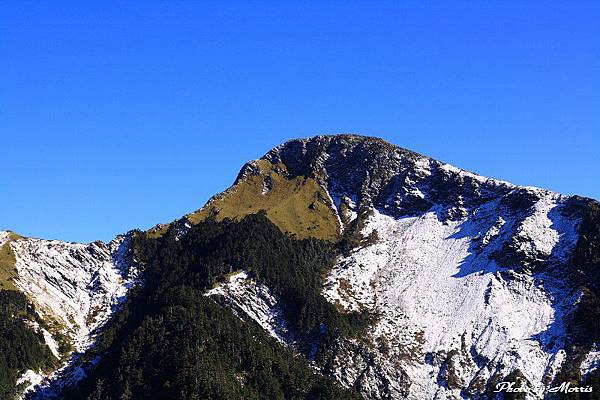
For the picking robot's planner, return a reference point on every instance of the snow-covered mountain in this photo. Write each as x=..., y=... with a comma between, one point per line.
x=473, y=280
x=469, y=281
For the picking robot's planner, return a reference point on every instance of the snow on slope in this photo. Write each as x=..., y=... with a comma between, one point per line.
x=249, y=299
x=4, y=237
x=74, y=284
x=75, y=288
x=449, y=312
x=591, y=361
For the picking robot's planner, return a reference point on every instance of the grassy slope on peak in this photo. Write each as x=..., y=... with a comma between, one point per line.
x=158, y=230
x=7, y=263
x=299, y=206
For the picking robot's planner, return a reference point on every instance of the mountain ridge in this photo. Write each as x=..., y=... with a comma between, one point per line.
x=288, y=159
x=250, y=165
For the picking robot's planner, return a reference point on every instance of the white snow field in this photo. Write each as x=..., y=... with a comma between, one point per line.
x=447, y=309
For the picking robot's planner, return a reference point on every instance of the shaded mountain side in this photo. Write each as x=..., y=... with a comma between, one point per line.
x=584, y=322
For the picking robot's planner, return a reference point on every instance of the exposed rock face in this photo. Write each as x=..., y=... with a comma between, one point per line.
x=473, y=279
x=74, y=287
x=372, y=173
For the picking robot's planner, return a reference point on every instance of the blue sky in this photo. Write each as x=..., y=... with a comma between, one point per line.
x=122, y=115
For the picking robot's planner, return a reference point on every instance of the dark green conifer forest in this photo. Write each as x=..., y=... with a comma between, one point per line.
x=172, y=342
x=21, y=348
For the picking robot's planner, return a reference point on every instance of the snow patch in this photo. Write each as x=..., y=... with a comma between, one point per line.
x=249, y=299
x=48, y=339
x=30, y=379
x=591, y=362
x=451, y=169
x=4, y=237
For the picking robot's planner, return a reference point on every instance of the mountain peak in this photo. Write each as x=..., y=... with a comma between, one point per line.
x=339, y=138
x=317, y=186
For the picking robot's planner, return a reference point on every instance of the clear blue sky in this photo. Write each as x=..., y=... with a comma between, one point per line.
x=122, y=115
